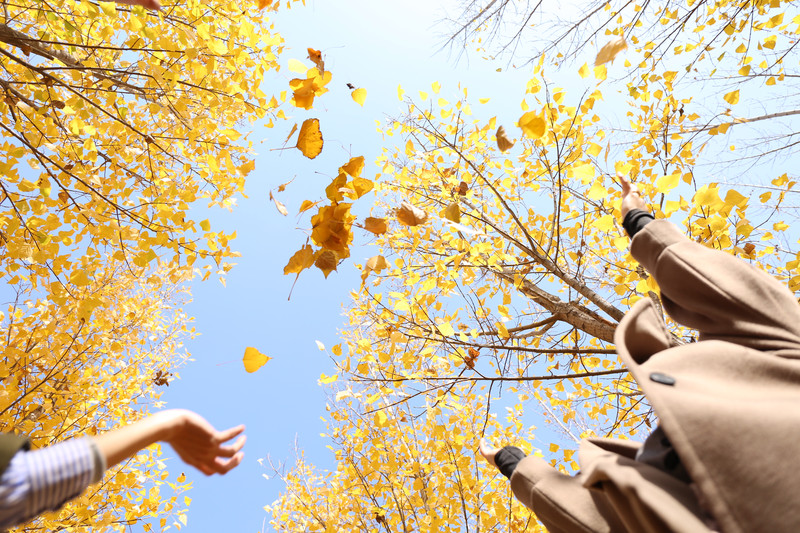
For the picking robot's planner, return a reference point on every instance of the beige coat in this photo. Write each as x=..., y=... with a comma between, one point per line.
x=730, y=405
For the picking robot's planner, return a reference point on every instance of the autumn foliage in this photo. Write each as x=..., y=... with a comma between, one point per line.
x=506, y=268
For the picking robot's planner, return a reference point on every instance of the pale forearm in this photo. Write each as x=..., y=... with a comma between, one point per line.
x=119, y=444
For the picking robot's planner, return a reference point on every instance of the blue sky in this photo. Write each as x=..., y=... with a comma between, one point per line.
x=374, y=45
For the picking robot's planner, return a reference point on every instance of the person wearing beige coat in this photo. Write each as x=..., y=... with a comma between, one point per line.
x=726, y=454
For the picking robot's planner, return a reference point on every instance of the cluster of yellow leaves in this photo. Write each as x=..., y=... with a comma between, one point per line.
x=523, y=285
x=399, y=470
x=332, y=224
x=116, y=121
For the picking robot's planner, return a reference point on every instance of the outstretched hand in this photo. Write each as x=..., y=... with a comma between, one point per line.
x=488, y=452
x=631, y=199
x=202, y=446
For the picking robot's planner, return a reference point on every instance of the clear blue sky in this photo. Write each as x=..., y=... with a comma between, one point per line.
x=374, y=45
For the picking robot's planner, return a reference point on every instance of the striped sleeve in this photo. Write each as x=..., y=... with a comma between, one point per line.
x=45, y=479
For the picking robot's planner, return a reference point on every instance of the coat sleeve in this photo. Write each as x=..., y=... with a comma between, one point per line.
x=559, y=501
x=723, y=297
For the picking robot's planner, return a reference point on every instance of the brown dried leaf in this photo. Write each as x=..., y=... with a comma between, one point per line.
x=326, y=261
x=316, y=57
x=503, y=142
x=410, y=215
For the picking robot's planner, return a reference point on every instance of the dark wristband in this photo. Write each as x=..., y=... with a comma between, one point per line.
x=507, y=459
x=635, y=220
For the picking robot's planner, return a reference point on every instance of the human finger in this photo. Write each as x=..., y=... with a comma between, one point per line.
x=230, y=451
x=228, y=434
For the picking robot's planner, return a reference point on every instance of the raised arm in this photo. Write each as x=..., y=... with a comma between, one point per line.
x=723, y=297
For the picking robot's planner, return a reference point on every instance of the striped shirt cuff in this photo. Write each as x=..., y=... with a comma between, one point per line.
x=59, y=473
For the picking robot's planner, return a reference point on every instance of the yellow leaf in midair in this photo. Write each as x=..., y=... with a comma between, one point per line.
x=294, y=129
x=281, y=208
x=503, y=142
x=326, y=261
x=253, y=359
x=583, y=71
x=411, y=215
x=533, y=125
x=375, y=225
x=301, y=260
x=297, y=66
x=376, y=263
x=610, y=51
x=359, y=96
x=354, y=166
x=361, y=186
x=732, y=97
x=309, y=141
x=320, y=346
x=306, y=205
x=452, y=212
x=325, y=380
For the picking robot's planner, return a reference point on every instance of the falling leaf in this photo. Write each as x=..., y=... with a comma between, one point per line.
x=301, y=260
x=320, y=346
x=452, y=212
x=503, y=142
x=281, y=208
x=533, y=125
x=326, y=261
x=297, y=66
x=732, y=97
x=749, y=248
x=253, y=359
x=316, y=57
x=375, y=225
x=359, y=96
x=306, y=205
x=309, y=141
x=410, y=215
x=361, y=186
x=377, y=263
x=282, y=186
x=463, y=188
x=354, y=166
x=351, y=86
x=610, y=51
x=294, y=129
x=374, y=264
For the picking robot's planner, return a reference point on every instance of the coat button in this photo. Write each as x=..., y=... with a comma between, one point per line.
x=664, y=379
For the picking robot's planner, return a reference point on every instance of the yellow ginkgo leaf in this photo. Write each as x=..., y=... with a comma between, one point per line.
x=375, y=225
x=359, y=95
x=253, y=359
x=732, y=97
x=301, y=260
x=354, y=166
x=296, y=65
x=326, y=261
x=410, y=215
x=503, y=142
x=452, y=212
x=309, y=140
x=610, y=51
x=533, y=125
x=79, y=278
